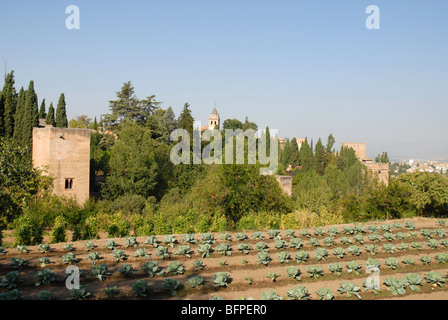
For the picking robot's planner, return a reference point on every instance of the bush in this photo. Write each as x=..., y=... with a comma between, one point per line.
x=58, y=234
x=28, y=231
x=89, y=230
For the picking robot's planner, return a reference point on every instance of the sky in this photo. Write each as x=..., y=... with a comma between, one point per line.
x=305, y=68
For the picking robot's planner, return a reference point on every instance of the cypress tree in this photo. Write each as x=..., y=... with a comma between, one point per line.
x=2, y=111
x=294, y=155
x=61, y=113
x=95, y=125
x=50, y=116
x=186, y=120
x=18, y=117
x=320, y=158
x=42, y=111
x=9, y=97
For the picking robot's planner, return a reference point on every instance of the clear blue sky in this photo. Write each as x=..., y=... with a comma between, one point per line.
x=306, y=68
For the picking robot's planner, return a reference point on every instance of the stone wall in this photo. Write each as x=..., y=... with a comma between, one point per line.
x=65, y=153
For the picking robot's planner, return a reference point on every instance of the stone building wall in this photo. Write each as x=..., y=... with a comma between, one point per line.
x=65, y=153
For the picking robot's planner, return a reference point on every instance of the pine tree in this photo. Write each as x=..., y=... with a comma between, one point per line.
x=306, y=156
x=42, y=111
x=286, y=153
x=9, y=97
x=294, y=158
x=186, y=120
x=50, y=116
x=19, y=115
x=61, y=113
x=268, y=142
x=321, y=159
x=95, y=124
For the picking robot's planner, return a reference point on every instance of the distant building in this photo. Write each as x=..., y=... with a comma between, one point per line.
x=379, y=169
x=65, y=153
x=214, y=121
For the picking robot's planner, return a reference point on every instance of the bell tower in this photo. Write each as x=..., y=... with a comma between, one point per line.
x=214, y=120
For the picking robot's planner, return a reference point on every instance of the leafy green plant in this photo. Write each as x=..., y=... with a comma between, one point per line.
x=354, y=250
x=189, y=238
x=319, y=232
x=296, y=243
x=221, y=279
x=44, y=261
x=18, y=263
x=45, y=295
x=119, y=255
x=244, y=261
x=274, y=234
x=417, y=245
x=130, y=242
x=353, y=267
x=373, y=263
x=346, y=240
x=396, y=286
x=386, y=228
x=325, y=294
x=294, y=273
x=100, y=272
x=152, y=240
x=79, y=294
x=397, y=225
x=388, y=236
x=432, y=243
x=89, y=245
x=314, y=242
x=241, y=236
x=273, y=276
x=435, y=278
x=373, y=229
x=427, y=233
x=290, y=233
x=69, y=258
x=329, y=242
x=372, y=249
x=261, y=246
x=373, y=237
x=284, y=256
x=224, y=249
x=403, y=247
x=339, y=252
x=205, y=250
x=141, y=253
x=426, y=260
x=333, y=232
x=349, y=288
x=270, y=295
x=21, y=249
x=305, y=233
x=413, y=281
x=12, y=295
x=198, y=265
x=244, y=248
x=208, y=238
x=298, y=293
x=359, y=238
x=11, y=280
x=408, y=261
x=127, y=270
x=175, y=268
x=335, y=268
x=410, y=225
x=44, y=248
x=163, y=252
x=441, y=223
x=258, y=235
x=140, y=288
x=441, y=258
x=389, y=248
x=152, y=268
x=391, y=263
x=315, y=272
x=112, y=292
x=280, y=244
x=302, y=256
x=94, y=257
x=348, y=230
x=111, y=244
x=400, y=236
x=321, y=254
x=249, y=280
x=225, y=236
x=170, y=240
x=263, y=258
x=195, y=281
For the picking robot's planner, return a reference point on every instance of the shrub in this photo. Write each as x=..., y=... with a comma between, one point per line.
x=28, y=231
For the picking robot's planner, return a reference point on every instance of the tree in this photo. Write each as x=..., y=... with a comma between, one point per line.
x=321, y=159
x=249, y=125
x=42, y=110
x=80, y=122
x=232, y=124
x=306, y=156
x=61, y=113
x=382, y=158
x=169, y=123
x=26, y=117
x=294, y=158
x=51, y=121
x=9, y=100
x=129, y=108
x=186, y=120
x=19, y=115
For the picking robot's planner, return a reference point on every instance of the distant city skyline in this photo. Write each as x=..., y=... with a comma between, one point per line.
x=306, y=68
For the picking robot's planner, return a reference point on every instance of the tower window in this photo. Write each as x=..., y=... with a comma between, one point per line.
x=68, y=184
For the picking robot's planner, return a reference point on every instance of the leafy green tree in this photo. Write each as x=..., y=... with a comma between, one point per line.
x=9, y=101
x=294, y=158
x=128, y=107
x=382, y=158
x=186, y=121
x=42, y=110
x=51, y=120
x=285, y=154
x=26, y=118
x=306, y=157
x=61, y=113
x=249, y=125
x=321, y=158
x=138, y=165
x=232, y=124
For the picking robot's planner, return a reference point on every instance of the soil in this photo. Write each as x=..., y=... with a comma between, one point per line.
x=238, y=269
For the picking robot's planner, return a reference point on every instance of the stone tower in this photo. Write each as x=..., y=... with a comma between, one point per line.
x=65, y=154
x=214, y=120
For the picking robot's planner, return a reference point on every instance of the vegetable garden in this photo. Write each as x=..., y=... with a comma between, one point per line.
x=407, y=258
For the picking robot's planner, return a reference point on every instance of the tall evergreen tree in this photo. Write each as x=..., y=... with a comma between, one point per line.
x=19, y=115
x=286, y=153
x=51, y=120
x=294, y=158
x=9, y=96
x=186, y=120
x=42, y=110
x=61, y=113
x=2, y=111
x=321, y=159
x=306, y=156
x=95, y=124
x=26, y=117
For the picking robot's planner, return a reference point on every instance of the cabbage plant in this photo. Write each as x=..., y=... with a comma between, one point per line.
x=263, y=258
x=280, y=244
x=290, y=233
x=189, y=238
x=389, y=248
x=426, y=260
x=329, y=241
x=111, y=244
x=241, y=236
x=10, y=280
x=44, y=248
x=333, y=232
x=294, y=273
x=302, y=256
x=163, y=252
x=410, y=226
x=319, y=232
x=205, y=250
x=44, y=261
x=131, y=242
x=373, y=237
x=170, y=241
x=175, y=268
x=391, y=263
x=315, y=272
x=258, y=235
x=371, y=248
x=346, y=240
x=284, y=256
x=221, y=279
x=270, y=295
x=118, y=255
x=296, y=243
x=127, y=270
x=261, y=246
x=396, y=286
x=141, y=253
x=195, y=281
x=413, y=281
x=349, y=288
x=152, y=240
x=244, y=248
x=140, y=288
x=298, y=293
x=335, y=268
x=325, y=294
x=354, y=250
x=435, y=278
x=321, y=254
x=89, y=245
x=208, y=238
x=408, y=261
x=274, y=234
x=100, y=272
x=354, y=267
x=339, y=252
x=184, y=250
x=152, y=268
x=224, y=249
